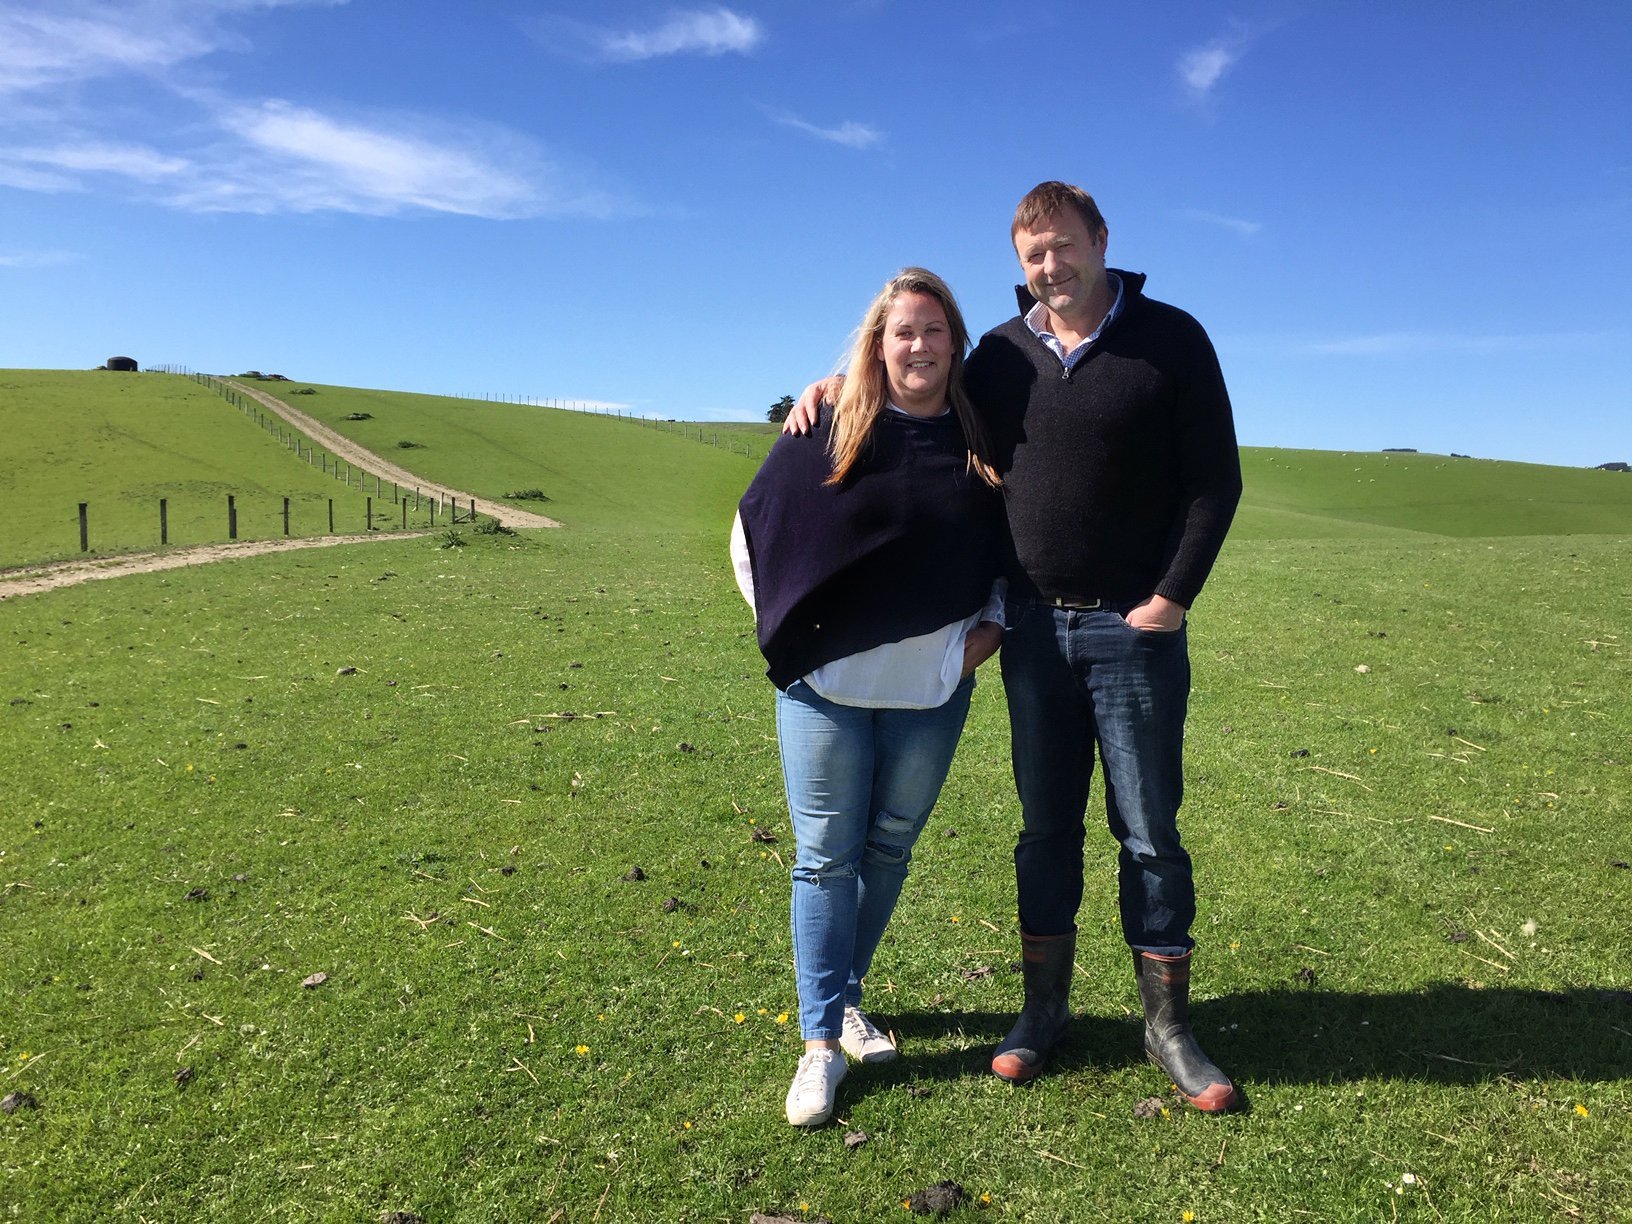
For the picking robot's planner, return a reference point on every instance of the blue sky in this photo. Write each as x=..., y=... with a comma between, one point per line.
x=1403, y=224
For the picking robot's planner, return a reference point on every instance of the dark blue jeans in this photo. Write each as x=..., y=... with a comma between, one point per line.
x=1078, y=680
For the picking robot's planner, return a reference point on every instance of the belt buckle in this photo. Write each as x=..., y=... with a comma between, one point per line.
x=1060, y=601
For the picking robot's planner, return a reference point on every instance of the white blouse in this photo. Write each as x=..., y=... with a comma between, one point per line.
x=917, y=673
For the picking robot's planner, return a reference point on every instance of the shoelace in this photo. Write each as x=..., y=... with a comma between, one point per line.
x=812, y=1073
x=860, y=1026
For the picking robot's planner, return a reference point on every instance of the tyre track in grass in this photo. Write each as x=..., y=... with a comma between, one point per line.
x=31, y=580
x=337, y=443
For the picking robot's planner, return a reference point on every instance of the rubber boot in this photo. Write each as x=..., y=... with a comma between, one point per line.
x=1046, y=962
x=1164, y=989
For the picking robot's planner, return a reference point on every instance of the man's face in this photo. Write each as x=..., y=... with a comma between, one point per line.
x=1064, y=266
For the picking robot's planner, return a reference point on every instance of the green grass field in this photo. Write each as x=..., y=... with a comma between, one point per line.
x=1408, y=803
x=121, y=442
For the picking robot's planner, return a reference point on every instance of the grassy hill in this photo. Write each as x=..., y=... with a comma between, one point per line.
x=121, y=442
x=427, y=773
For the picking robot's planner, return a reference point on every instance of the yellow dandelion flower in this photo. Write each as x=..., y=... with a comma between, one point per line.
x=1449, y=846
x=955, y=918
x=782, y=1018
x=760, y=1012
x=739, y=1017
x=688, y=1125
x=986, y=1198
x=1235, y=945
x=1189, y=1217
x=804, y=1206
x=581, y=1051
x=677, y=943
x=1583, y=1110
x=189, y=769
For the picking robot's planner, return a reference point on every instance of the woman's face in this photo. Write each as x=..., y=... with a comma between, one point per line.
x=916, y=350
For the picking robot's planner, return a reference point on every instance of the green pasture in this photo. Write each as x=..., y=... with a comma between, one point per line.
x=428, y=773
x=121, y=442
x=658, y=472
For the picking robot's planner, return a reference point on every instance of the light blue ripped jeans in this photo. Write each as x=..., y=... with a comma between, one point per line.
x=861, y=784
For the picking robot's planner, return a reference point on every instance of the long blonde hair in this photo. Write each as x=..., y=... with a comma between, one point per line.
x=866, y=388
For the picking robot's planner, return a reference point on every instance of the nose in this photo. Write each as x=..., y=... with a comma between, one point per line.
x=919, y=343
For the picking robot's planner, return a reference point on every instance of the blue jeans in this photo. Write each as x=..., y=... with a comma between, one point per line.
x=860, y=785
x=1076, y=680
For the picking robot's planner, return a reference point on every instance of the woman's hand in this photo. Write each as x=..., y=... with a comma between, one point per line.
x=980, y=644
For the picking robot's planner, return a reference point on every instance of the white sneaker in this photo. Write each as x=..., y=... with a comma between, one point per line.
x=810, y=1099
x=863, y=1040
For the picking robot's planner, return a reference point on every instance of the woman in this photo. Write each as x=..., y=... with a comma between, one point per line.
x=869, y=551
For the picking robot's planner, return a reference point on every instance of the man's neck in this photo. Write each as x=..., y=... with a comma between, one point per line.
x=1082, y=324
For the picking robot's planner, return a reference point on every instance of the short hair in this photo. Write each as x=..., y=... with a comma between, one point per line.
x=1047, y=199
x=866, y=389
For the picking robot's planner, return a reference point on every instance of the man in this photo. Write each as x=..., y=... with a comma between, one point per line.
x=1117, y=449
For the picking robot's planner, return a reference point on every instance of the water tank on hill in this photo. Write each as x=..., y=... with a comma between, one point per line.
x=127, y=364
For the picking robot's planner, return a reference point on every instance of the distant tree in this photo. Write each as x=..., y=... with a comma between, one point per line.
x=779, y=410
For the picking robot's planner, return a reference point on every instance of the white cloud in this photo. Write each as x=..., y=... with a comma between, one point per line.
x=716, y=31
x=233, y=155
x=850, y=134
x=48, y=42
x=35, y=259
x=294, y=159
x=1235, y=224
x=131, y=161
x=1203, y=67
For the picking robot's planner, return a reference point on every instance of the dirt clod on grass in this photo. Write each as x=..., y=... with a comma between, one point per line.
x=401, y=1217
x=670, y=904
x=975, y=973
x=764, y=836
x=759, y=1217
x=184, y=1076
x=197, y=894
x=854, y=1139
x=1150, y=1107
x=938, y=1200
x=634, y=875
x=316, y=980
x=1306, y=975
x=13, y=1101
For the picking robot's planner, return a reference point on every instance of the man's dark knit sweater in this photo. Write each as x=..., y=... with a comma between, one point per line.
x=1121, y=476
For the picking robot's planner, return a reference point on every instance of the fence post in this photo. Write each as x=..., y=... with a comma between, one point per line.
x=286, y=516
x=84, y=530
x=232, y=518
x=164, y=520
x=370, y=513
x=473, y=509
x=433, y=514
x=331, y=516
x=405, y=514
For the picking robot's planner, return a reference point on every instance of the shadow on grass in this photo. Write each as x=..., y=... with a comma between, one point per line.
x=1445, y=1034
